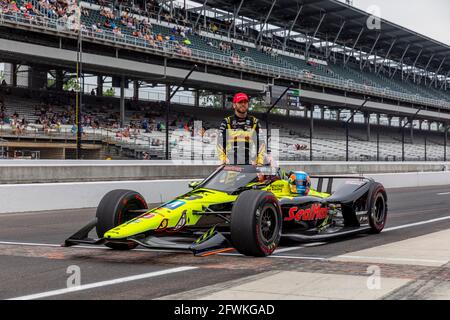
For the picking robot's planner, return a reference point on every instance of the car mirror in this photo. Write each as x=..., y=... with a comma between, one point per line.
x=194, y=184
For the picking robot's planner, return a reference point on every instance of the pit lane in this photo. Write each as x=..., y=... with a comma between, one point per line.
x=33, y=262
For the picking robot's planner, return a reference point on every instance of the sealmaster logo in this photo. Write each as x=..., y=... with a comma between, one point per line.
x=313, y=213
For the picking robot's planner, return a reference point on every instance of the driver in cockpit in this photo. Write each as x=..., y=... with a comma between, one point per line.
x=299, y=183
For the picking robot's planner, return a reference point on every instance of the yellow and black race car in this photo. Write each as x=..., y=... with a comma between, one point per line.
x=242, y=207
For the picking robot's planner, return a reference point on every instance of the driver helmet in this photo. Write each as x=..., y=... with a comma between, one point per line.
x=299, y=182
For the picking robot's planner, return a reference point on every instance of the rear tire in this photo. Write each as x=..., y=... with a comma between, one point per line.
x=256, y=223
x=113, y=210
x=378, y=209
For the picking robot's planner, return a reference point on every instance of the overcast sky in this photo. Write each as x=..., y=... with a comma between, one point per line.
x=430, y=18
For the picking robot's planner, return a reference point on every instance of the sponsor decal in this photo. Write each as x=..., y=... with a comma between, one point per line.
x=163, y=224
x=174, y=204
x=313, y=213
x=276, y=188
x=139, y=198
x=148, y=216
x=194, y=197
x=266, y=170
x=233, y=168
x=136, y=221
x=357, y=183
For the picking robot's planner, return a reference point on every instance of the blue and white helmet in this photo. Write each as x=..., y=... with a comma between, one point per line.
x=299, y=182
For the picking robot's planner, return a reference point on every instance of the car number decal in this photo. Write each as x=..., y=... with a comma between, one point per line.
x=174, y=204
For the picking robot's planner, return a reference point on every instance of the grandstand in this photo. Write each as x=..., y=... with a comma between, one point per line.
x=395, y=80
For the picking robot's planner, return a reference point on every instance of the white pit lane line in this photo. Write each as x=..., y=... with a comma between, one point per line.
x=409, y=225
x=102, y=284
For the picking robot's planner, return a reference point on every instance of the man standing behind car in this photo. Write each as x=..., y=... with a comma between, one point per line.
x=238, y=134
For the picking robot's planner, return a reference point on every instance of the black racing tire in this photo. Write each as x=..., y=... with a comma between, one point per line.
x=256, y=223
x=113, y=210
x=378, y=208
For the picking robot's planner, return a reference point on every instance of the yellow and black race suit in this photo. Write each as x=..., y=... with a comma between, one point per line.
x=237, y=136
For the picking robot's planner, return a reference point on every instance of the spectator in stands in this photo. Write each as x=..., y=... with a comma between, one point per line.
x=126, y=132
x=145, y=126
x=58, y=127
x=167, y=17
x=118, y=32
x=236, y=59
x=107, y=24
x=213, y=27
x=13, y=7
x=299, y=147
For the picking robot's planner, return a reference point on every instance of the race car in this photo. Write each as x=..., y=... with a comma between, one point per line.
x=240, y=207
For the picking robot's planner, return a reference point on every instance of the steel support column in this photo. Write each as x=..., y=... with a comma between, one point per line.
x=367, y=120
x=445, y=141
x=401, y=61
x=426, y=68
x=371, y=50
x=437, y=72
x=387, y=56
x=235, y=16
x=337, y=37
x=292, y=27
x=199, y=14
x=122, y=102
x=445, y=80
x=265, y=21
x=414, y=64
x=408, y=121
x=353, y=48
x=308, y=46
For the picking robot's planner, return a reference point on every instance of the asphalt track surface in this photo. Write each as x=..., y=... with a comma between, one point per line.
x=33, y=265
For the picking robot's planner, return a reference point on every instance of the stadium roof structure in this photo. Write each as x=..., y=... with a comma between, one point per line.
x=344, y=24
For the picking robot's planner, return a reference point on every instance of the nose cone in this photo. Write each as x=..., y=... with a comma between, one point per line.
x=149, y=221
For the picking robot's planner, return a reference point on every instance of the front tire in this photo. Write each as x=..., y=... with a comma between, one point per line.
x=114, y=209
x=378, y=209
x=256, y=223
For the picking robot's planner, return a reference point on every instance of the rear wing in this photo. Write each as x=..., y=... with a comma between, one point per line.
x=330, y=184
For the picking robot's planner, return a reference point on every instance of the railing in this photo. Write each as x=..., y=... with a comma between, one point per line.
x=143, y=143
x=179, y=98
x=89, y=134
x=252, y=66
